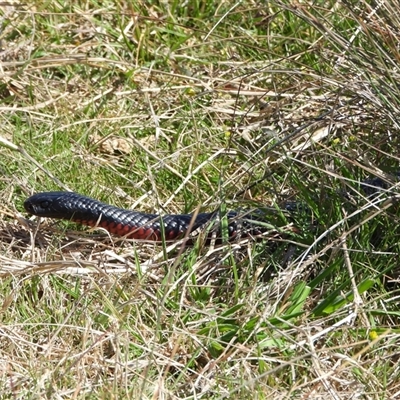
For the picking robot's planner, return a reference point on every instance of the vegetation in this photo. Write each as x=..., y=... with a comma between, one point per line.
x=175, y=107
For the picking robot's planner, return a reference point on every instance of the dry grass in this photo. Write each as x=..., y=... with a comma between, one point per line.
x=164, y=108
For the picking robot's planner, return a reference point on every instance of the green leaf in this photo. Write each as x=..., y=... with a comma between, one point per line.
x=336, y=301
x=298, y=297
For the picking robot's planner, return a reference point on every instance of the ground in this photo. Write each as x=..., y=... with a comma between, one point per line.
x=171, y=107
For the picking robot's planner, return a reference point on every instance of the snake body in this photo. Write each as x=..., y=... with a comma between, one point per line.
x=133, y=224
x=142, y=226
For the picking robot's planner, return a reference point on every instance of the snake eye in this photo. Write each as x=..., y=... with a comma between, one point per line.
x=44, y=204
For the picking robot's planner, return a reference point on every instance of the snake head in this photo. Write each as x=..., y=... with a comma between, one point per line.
x=47, y=204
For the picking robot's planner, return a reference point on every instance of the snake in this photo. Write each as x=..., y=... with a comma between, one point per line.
x=153, y=227
x=138, y=225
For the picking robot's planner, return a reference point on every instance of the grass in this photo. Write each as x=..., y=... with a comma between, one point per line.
x=164, y=107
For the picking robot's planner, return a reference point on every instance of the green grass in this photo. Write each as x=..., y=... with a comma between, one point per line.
x=166, y=108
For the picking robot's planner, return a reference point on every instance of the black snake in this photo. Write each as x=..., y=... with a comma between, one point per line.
x=137, y=225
